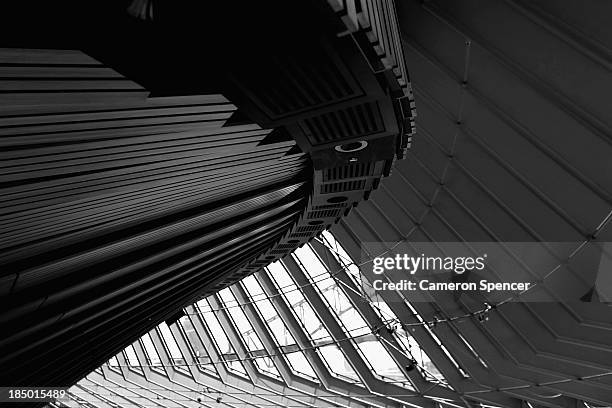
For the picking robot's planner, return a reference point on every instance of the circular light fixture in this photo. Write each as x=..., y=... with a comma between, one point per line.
x=351, y=147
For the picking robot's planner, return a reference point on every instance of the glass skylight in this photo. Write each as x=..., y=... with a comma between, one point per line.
x=236, y=337
x=224, y=347
x=153, y=359
x=382, y=309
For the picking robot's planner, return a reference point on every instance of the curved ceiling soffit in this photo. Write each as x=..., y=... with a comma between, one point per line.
x=351, y=111
x=344, y=96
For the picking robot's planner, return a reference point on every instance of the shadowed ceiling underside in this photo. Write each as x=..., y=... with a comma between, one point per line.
x=514, y=144
x=132, y=185
x=118, y=210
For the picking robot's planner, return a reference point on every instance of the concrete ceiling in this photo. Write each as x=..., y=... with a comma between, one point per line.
x=514, y=144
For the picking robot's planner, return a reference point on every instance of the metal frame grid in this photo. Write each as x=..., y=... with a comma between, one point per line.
x=302, y=332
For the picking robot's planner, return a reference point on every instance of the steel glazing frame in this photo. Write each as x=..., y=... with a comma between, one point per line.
x=183, y=383
x=123, y=383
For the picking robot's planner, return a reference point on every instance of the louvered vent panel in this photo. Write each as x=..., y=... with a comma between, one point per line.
x=285, y=246
x=324, y=213
x=348, y=123
x=348, y=171
x=342, y=186
x=300, y=235
x=310, y=229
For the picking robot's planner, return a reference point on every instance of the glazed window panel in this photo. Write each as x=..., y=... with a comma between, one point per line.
x=199, y=354
x=404, y=338
x=297, y=302
x=177, y=359
x=273, y=321
x=132, y=358
x=149, y=348
x=217, y=334
x=247, y=332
